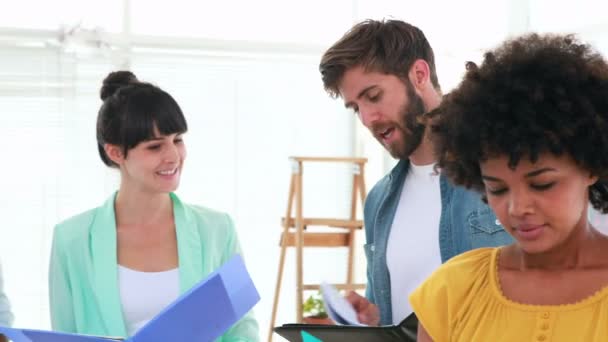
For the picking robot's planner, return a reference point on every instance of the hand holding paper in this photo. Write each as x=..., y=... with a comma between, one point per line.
x=349, y=327
x=338, y=308
x=367, y=312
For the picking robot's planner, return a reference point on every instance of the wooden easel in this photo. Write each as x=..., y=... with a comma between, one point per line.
x=295, y=234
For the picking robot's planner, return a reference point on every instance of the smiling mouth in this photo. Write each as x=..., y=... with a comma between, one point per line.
x=167, y=172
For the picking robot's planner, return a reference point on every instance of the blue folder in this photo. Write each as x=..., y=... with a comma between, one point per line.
x=203, y=313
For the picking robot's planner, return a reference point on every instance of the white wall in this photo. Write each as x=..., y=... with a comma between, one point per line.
x=246, y=116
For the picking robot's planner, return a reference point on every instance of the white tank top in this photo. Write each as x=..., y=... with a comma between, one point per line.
x=144, y=294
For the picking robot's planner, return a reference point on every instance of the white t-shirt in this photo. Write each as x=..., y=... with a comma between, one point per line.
x=412, y=251
x=144, y=294
x=598, y=220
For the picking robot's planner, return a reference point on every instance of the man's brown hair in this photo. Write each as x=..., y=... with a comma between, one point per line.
x=388, y=46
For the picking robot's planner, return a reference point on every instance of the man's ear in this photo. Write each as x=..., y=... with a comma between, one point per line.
x=419, y=75
x=593, y=179
x=114, y=152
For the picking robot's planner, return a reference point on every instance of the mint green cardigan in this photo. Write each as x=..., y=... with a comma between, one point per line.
x=83, y=280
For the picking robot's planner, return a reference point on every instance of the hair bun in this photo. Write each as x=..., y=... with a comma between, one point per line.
x=114, y=81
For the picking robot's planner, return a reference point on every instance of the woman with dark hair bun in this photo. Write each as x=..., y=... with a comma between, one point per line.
x=115, y=267
x=527, y=129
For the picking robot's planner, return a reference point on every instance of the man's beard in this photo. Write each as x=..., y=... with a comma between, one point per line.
x=411, y=129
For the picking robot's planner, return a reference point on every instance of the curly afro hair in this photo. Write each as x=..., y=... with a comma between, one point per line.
x=534, y=94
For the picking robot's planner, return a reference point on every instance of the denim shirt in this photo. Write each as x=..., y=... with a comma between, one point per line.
x=466, y=223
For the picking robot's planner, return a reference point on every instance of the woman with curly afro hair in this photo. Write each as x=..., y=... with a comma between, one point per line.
x=529, y=130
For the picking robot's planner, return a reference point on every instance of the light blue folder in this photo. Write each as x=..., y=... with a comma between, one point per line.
x=202, y=314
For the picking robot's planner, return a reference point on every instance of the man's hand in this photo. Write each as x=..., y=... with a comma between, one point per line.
x=367, y=313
